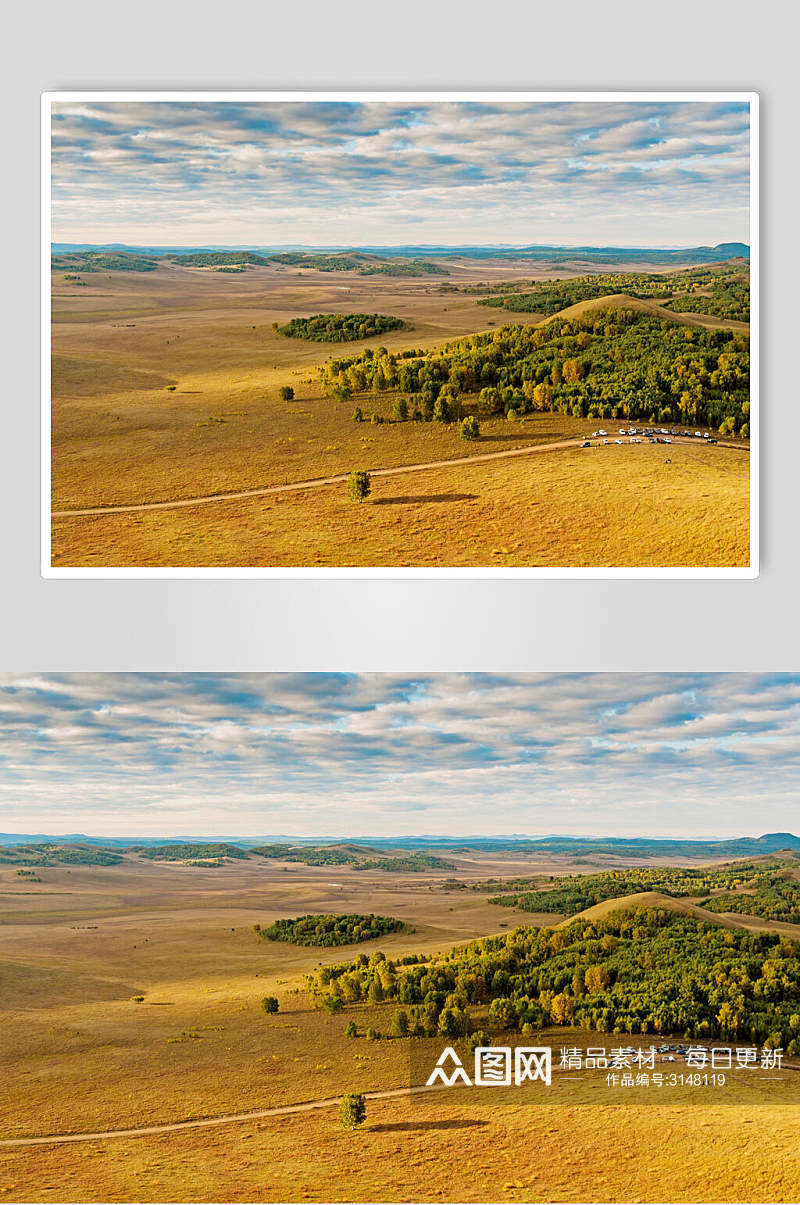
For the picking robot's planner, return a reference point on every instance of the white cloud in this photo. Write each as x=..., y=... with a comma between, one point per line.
x=271, y=173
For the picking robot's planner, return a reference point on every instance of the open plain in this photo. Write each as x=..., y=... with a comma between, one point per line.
x=83, y=1056
x=166, y=388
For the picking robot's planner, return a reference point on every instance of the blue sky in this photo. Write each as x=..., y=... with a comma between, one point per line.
x=689, y=755
x=335, y=173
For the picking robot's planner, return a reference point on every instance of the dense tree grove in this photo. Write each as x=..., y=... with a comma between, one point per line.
x=774, y=897
x=639, y=970
x=606, y=363
x=339, y=328
x=729, y=300
x=366, y=265
x=328, y=930
x=214, y=259
x=569, y=894
x=189, y=851
x=405, y=267
x=104, y=261
x=406, y=863
x=550, y=296
x=311, y=855
x=45, y=853
x=359, y=857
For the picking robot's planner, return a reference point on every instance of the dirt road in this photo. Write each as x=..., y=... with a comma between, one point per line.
x=141, y=1131
x=336, y=480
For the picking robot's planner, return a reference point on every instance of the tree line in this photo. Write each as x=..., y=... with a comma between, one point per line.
x=568, y=894
x=550, y=296
x=339, y=328
x=637, y=970
x=607, y=363
x=320, y=929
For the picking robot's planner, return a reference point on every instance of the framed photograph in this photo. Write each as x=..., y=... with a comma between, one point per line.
x=397, y=938
x=400, y=334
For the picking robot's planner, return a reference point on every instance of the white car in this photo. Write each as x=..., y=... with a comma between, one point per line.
x=617, y=441
x=606, y=433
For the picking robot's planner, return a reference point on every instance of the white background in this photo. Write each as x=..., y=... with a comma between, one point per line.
x=408, y=624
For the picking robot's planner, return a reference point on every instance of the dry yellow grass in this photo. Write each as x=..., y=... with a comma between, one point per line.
x=414, y=1150
x=80, y=1055
x=611, y=506
x=122, y=436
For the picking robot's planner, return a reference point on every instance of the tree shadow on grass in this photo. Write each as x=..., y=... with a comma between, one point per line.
x=393, y=1127
x=409, y=498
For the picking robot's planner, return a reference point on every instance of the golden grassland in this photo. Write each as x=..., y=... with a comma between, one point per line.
x=79, y=1054
x=596, y=507
x=166, y=386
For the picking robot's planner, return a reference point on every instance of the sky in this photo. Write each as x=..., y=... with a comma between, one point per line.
x=335, y=755
x=622, y=173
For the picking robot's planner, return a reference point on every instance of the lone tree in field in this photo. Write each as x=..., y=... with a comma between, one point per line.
x=287, y=393
x=270, y=1004
x=470, y=427
x=358, y=485
x=352, y=1111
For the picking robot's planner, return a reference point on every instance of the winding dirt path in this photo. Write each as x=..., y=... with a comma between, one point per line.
x=226, y=1118
x=315, y=482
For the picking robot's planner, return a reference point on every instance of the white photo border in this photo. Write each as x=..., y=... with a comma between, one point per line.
x=50, y=98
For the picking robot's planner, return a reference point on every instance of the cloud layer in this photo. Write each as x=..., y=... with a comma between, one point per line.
x=351, y=755
x=332, y=173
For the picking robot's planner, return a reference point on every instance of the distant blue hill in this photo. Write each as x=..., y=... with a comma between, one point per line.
x=731, y=847
x=543, y=252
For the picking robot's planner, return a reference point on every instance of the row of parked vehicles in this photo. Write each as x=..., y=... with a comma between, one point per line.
x=654, y=435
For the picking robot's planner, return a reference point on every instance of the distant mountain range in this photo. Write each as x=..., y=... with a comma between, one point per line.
x=550, y=253
x=731, y=847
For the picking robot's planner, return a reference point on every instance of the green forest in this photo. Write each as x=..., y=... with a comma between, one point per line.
x=104, y=261
x=46, y=854
x=312, y=855
x=339, y=328
x=359, y=857
x=329, y=930
x=638, y=970
x=404, y=267
x=550, y=296
x=568, y=894
x=606, y=363
x=412, y=862
x=188, y=852
x=726, y=300
x=212, y=259
x=774, y=897
x=367, y=265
